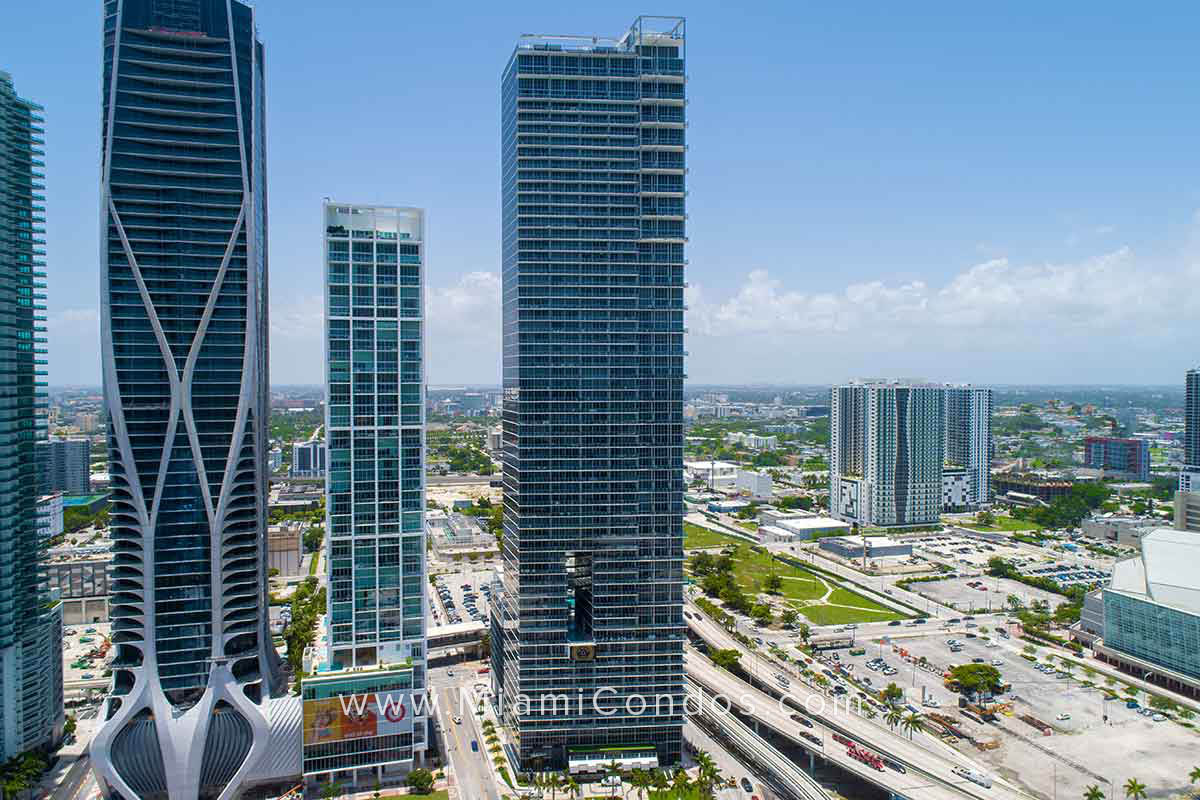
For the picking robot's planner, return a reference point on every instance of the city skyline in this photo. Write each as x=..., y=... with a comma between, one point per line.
x=1096, y=191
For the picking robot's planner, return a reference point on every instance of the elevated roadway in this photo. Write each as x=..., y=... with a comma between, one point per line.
x=928, y=773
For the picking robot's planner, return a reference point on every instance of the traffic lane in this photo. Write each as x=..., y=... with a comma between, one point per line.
x=861, y=728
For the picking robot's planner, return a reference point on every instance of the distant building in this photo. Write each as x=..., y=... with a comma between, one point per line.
x=969, y=444
x=753, y=441
x=65, y=465
x=757, y=484
x=50, y=516
x=459, y=535
x=88, y=423
x=285, y=548
x=956, y=489
x=495, y=439
x=1152, y=612
x=800, y=529
x=308, y=459
x=1126, y=531
x=1128, y=456
x=82, y=582
x=1189, y=477
x=1187, y=511
x=719, y=475
x=1047, y=490
x=274, y=458
x=858, y=547
x=886, y=451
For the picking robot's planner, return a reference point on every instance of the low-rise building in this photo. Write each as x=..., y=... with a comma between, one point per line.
x=1152, y=612
x=718, y=475
x=458, y=535
x=1119, y=530
x=757, y=484
x=50, y=516
x=80, y=575
x=796, y=529
x=1187, y=511
x=1047, y=490
x=753, y=441
x=308, y=459
x=956, y=489
x=274, y=458
x=285, y=547
x=858, y=547
x=1129, y=457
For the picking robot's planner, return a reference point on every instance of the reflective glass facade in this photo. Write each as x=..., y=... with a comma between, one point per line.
x=184, y=327
x=375, y=490
x=593, y=190
x=1152, y=631
x=375, y=416
x=31, y=710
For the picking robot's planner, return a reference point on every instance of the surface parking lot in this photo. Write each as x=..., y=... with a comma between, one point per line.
x=988, y=593
x=461, y=597
x=1082, y=748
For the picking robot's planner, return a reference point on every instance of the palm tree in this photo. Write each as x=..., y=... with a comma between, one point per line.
x=612, y=770
x=1093, y=793
x=681, y=782
x=571, y=787
x=894, y=717
x=1194, y=775
x=1135, y=789
x=642, y=782
x=553, y=782
x=661, y=781
x=912, y=723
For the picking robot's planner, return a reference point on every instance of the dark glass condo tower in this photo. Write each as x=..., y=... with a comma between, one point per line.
x=195, y=706
x=593, y=187
x=31, y=699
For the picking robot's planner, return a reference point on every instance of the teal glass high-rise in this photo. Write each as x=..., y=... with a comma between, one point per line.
x=593, y=189
x=198, y=706
x=31, y=688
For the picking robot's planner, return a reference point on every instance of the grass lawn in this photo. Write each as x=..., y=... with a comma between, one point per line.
x=440, y=794
x=312, y=564
x=1004, y=524
x=751, y=570
x=695, y=537
x=836, y=615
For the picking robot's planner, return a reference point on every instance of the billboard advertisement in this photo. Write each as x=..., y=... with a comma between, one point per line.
x=357, y=716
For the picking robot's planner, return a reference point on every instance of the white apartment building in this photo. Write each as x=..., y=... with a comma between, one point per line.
x=757, y=484
x=718, y=475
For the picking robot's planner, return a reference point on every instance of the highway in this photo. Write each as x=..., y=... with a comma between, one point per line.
x=929, y=775
x=791, y=778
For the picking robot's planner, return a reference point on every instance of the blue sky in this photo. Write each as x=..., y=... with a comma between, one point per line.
x=1002, y=194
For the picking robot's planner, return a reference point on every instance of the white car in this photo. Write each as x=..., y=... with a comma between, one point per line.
x=997, y=662
x=457, y=720
x=1063, y=717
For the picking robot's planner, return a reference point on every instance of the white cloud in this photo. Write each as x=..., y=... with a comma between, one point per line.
x=462, y=333
x=1105, y=307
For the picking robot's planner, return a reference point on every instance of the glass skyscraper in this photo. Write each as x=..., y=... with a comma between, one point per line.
x=375, y=489
x=31, y=699
x=197, y=706
x=593, y=188
x=1189, y=476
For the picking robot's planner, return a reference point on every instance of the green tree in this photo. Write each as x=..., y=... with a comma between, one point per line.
x=893, y=693
x=976, y=678
x=420, y=780
x=553, y=782
x=1093, y=793
x=703, y=563
x=641, y=782
x=571, y=787
x=789, y=616
x=1135, y=789
x=331, y=790
x=804, y=632
x=893, y=717
x=725, y=659
x=773, y=583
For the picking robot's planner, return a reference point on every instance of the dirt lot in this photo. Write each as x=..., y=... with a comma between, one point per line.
x=1082, y=750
